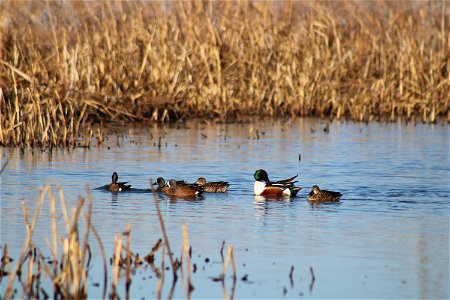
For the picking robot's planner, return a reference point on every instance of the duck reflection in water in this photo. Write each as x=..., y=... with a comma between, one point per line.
x=265, y=206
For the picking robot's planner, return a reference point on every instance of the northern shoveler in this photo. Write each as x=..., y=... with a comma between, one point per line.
x=264, y=187
x=183, y=190
x=117, y=186
x=318, y=195
x=212, y=187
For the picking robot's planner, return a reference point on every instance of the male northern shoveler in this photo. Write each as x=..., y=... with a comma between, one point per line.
x=117, y=186
x=213, y=187
x=264, y=187
x=183, y=190
x=318, y=195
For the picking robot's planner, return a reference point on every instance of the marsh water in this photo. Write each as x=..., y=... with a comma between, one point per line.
x=388, y=237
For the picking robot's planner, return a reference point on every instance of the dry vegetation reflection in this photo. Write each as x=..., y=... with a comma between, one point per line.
x=65, y=67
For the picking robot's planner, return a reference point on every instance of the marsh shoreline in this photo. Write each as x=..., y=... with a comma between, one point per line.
x=67, y=67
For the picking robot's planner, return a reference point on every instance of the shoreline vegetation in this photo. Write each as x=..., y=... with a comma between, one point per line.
x=68, y=67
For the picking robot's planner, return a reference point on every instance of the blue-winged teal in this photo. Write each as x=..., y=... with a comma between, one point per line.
x=183, y=190
x=213, y=187
x=117, y=186
x=318, y=195
x=264, y=187
x=162, y=185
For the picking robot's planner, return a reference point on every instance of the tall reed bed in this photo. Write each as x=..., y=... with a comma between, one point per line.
x=67, y=66
x=64, y=273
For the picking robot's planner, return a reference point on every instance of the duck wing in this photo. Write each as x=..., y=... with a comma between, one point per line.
x=219, y=183
x=333, y=194
x=285, y=181
x=216, y=187
x=324, y=195
x=126, y=187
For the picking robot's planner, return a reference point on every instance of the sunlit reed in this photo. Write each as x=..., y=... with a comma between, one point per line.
x=65, y=273
x=67, y=66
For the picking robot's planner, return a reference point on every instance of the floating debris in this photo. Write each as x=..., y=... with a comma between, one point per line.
x=313, y=279
x=290, y=276
x=221, y=250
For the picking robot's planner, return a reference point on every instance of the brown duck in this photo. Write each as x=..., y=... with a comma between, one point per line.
x=117, y=186
x=183, y=190
x=212, y=187
x=162, y=185
x=318, y=195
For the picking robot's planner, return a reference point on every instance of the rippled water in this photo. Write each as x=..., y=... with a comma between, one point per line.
x=386, y=238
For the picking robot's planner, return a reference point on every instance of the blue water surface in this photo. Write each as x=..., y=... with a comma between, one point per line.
x=386, y=238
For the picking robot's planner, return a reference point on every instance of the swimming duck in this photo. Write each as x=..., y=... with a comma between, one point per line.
x=318, y=195
x=212, y=187
x=183, y=190
x=117, y=186
x=264, y=187
x=162, y=185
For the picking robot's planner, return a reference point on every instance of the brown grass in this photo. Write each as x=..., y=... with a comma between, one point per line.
x=67, y=66
x=65, y=273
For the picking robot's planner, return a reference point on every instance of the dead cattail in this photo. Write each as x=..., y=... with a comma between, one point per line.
x=187, y=257
x=310, y=60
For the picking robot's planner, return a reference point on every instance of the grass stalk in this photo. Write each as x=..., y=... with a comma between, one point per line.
x=187, y=257
x=160, y=282
x=128, y=263
x=105, y=268
x=30, y=231
x=163, y=229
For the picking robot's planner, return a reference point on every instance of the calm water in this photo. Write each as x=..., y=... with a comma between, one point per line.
x=387, y=238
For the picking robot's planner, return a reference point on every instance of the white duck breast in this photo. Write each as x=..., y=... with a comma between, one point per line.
x=259, y=187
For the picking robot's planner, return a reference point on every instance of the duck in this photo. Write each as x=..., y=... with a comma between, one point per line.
x=183, y=190
x=115, y=186
x=318, y=195
x=212, y=186
x=264, y=187
x=162, y=185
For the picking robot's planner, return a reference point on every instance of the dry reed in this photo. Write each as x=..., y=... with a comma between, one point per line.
x=67, y=271
x=228, y=258
x=187, y=257
x=65, y=66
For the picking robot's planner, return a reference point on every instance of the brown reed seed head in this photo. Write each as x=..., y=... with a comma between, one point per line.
x=65, y=66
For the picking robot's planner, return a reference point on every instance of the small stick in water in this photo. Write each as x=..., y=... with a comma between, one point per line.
x=290, y=276
x=221, y=249
x=313, y=278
